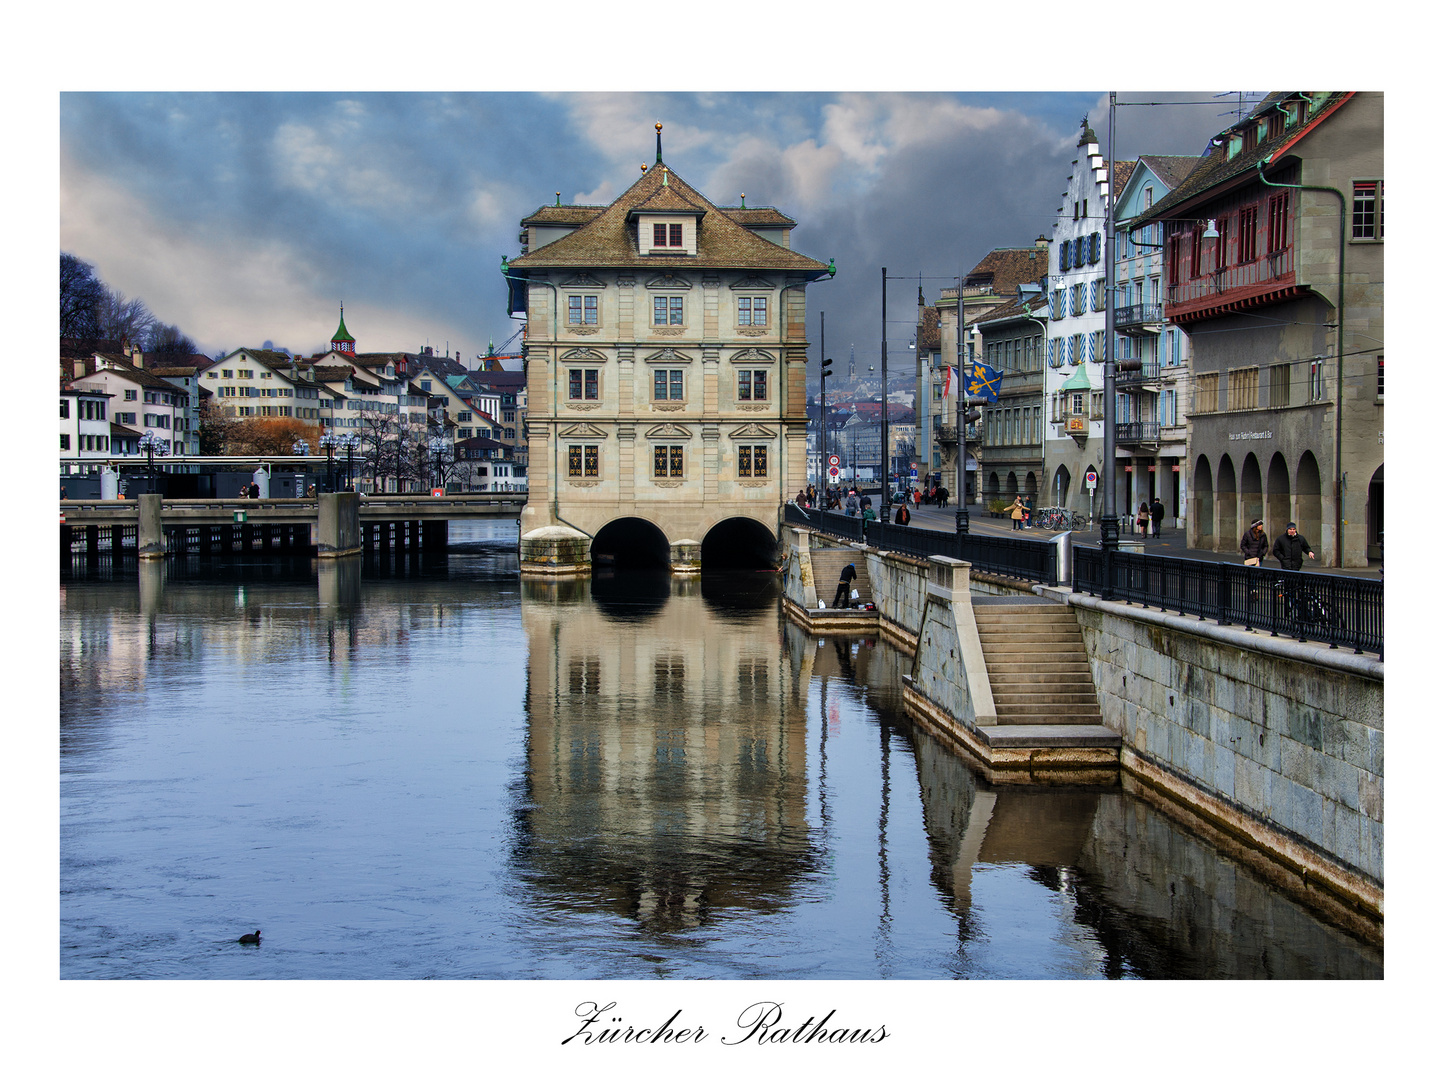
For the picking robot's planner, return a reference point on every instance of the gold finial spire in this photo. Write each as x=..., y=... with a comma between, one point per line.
x=658, y=126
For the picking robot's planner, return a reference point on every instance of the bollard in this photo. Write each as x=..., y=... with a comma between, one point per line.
x=337, y=532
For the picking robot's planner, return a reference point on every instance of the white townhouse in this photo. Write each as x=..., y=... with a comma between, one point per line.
x=261, y=382
x=84, y=428
x=1075, y=331
x=141, y=402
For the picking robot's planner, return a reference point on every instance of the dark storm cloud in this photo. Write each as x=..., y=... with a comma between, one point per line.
x=251, y=216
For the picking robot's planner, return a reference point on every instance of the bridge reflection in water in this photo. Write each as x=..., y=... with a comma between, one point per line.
x=622, y=777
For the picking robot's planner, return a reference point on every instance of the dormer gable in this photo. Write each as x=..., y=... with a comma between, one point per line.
x=667, y=223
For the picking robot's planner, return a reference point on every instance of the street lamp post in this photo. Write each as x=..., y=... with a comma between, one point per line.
x=152, y=446
x=1109, y=522
x=884, y=408
x=329, y=440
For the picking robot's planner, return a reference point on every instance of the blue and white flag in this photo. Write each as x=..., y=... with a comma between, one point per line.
x=984, y=382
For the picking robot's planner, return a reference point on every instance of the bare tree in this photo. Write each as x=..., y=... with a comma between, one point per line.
x=81, y=296
x=165, y=340
x=124, y=319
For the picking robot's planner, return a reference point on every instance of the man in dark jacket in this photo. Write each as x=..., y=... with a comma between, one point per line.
x=1157, y=515
x=1255, y=544
x=1292, y=548
x=842, y=591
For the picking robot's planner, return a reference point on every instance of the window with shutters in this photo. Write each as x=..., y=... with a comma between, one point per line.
x=1246, y=250
x=1279, y=386
x=1244, y=389
x=1077, y=297
x=1367, y=212
x=1097, y=346
x=1077, y=347
x=1277, y=237
x=1064, y=254
x=1207, y=393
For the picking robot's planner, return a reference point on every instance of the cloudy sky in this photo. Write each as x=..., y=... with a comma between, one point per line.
x=250, y=217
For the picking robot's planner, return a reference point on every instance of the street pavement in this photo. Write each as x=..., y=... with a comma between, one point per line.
x=1171, y=540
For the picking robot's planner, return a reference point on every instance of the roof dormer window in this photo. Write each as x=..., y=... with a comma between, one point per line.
x=669, y=235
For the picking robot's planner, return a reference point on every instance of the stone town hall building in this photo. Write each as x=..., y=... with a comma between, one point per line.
x=665, y=367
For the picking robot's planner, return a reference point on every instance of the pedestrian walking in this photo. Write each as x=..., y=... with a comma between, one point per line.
x=1017, y=514
x=944, y=496
x=1029, y=511
x=842, y=591
x=1291, y=549
x=1254, y=545
x=1142, y=518
x=852, y=505
x=902, y=515
x=1157, y=515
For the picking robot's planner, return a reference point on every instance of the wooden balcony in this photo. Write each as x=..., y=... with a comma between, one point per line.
x=1266, y=280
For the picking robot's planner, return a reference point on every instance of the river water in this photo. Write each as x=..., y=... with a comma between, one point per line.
x=432, y=769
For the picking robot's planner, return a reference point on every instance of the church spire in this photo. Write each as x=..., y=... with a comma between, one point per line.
x=341, y=341
x=658, y=159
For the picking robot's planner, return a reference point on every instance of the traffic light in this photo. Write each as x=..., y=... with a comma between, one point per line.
x=1131, y=364
x=972, y=415
x=825, y=371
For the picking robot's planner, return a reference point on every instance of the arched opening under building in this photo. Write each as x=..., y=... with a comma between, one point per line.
x=1227, y=531
x=1277, y=497
x=1252, y=496
x=1032, y=486
x=1012, y=486
x=1309, y=506
x=1062, y=485
x=1375, y=516
x=1200, y=514
x=630, y=544
x=738, y=543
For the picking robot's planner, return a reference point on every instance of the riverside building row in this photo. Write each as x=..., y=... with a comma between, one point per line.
x=472, y=420
x=1249, y=297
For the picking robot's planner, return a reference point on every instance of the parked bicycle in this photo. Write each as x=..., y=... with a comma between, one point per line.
x=1307, y=610
x=1059, y=518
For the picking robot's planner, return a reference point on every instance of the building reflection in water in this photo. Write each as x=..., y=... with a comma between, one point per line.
x=666, y=751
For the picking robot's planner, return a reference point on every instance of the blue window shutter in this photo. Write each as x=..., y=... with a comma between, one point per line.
x=1050, y=352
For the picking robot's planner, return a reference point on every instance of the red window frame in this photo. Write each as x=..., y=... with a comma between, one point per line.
x=677, y=236
x=1278, y=238
x=1249, y=225
x=659, y=236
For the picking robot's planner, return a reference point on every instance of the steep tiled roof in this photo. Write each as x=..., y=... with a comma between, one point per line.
x=756, y=215
x=1170, y=169
x=1217, y=169
x=1039, y=309
x=137, y=375
x=930, y=329
x=563, y=215
x=1120, y=175
x=332, y=372
x=1006, y=269
x=608, y=239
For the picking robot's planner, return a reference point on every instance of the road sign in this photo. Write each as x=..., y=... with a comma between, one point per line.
x=834, y=461
x=1091, y=479
x=834, y=472
x=914, y=473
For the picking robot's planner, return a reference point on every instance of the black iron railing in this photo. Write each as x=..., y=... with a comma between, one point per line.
x=1341, y=611
x=1029, y=560
x=1138, y=315
x=847, y=528
x=1138, y=431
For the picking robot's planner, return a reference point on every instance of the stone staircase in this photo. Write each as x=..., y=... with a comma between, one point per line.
x=826, y=564
x=1039, y=676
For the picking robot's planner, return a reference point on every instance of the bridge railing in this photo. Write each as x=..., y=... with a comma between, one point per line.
x=847, y=528
x=1029, y=560
x=1332, y=608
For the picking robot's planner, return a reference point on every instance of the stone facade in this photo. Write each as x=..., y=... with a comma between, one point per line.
x=665, y=358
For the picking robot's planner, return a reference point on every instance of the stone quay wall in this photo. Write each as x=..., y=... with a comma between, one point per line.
x=1278, y=742
x=1264, y=744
